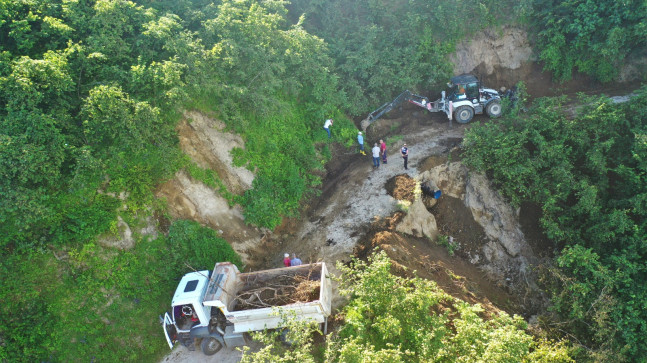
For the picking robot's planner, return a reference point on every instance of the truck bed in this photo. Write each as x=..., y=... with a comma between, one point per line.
x=278, y=287
x=258, y=300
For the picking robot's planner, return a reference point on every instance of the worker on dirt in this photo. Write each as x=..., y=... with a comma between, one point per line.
x=376, y=156
x=383, y=150
x=405, y=155
x=430, y=190
x=327, y=125
x=296, y=261
x=286, y=260
x=360, y=140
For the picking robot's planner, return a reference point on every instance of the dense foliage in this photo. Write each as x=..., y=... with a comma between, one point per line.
x=592, y=37
x=384, y=47
x=91, y=92
x=588, y=174
x=96, y=303
x=395, y=319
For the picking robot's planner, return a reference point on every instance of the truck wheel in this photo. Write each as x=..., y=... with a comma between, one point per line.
x=283, y=337
x=464, y=114
x=493, y=109
x=210, y=346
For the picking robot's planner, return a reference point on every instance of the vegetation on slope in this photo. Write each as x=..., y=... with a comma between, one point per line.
x=383, y=47
x=592, y=37
x=588, y=174
x=91, y=91
x=393, y=319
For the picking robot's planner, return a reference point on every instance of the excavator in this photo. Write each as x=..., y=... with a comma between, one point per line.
x=463, y=99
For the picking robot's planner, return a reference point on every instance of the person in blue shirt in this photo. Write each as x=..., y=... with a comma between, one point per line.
x=295, y=261
x=360, y=139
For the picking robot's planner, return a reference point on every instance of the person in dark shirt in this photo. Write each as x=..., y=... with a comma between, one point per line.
x=405, y=155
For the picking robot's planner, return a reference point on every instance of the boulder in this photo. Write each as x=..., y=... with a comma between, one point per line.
x=494, y=214
x=418, y=221
x=450, y=178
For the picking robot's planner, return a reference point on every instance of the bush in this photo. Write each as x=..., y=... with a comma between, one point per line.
x=199, y=247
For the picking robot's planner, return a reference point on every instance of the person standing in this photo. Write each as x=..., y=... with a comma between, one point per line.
x=376, y=156
x=295, y=260
x=286, y=260
x=405, y=155
x=383, y=150
x=327, y=125
x=360, y=139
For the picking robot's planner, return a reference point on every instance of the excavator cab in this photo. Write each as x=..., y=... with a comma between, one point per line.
x=464, y=87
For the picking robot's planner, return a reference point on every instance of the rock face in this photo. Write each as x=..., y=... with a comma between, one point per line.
x=506, y=48
x=203, y=139
x=505, y=255
x=492, y=212
x=450, y=178
x=189, y=199
x=418, y=221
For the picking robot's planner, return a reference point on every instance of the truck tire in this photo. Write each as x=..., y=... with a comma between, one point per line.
x=493, y=109
x=464, y=114
x=210, y=346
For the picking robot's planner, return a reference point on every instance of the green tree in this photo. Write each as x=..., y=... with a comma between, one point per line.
x=587, y=174
x=394, y=319
x=588, y=36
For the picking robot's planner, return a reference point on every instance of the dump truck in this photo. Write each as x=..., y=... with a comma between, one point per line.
x=212, y=310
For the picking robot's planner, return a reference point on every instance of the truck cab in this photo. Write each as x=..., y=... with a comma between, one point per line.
x=187, y=310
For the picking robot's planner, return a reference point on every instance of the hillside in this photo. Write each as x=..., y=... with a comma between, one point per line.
x=140, y=140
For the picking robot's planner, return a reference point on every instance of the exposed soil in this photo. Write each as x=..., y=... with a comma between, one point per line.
x=420, y=257
x=455, y=220
x=529, y=216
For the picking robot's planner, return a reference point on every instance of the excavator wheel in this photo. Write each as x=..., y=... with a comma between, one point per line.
x=493, y=109
x=464, y=114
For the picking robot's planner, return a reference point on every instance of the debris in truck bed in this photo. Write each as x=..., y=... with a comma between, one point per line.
x=288, y=287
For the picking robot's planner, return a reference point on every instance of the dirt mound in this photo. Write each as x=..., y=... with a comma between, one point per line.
x=420, y=257
x=401, y=187
x=455, y=220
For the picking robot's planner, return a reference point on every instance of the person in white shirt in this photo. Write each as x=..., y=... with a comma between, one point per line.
x=376, y=156
x=327, y=125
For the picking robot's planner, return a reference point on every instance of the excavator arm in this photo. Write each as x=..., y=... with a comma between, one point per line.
x=405, y=96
